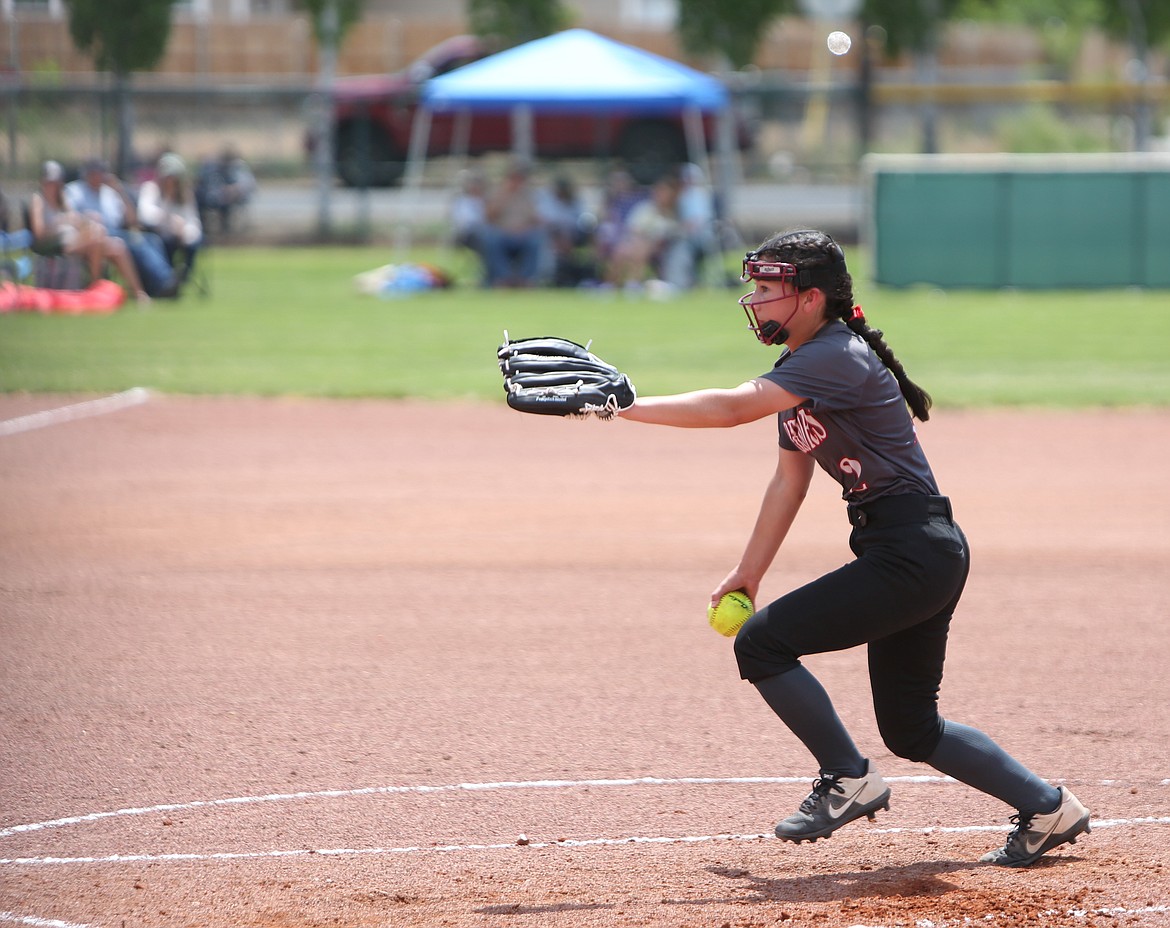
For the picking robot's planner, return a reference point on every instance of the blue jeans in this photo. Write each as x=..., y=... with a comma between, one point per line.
x=512, y=258
x=150, y=259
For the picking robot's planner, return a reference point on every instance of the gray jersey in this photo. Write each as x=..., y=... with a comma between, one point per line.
x=854, y=421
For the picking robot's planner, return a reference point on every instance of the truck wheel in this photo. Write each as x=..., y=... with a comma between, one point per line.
x=650, y=149
x=365, y=157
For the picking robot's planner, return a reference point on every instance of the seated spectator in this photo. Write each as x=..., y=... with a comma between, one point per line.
x=653, y=234
x=100, y=195
x=224, y=185
x=58, y=229
x=514, y=235
x=570, y=230
x=166, y=207
x=15, y=262
x=468, y=213
x=147, y=168
x=621, y=196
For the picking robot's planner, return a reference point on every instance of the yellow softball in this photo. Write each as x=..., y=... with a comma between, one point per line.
x=728, y=615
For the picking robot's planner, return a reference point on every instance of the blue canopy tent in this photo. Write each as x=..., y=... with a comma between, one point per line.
x=576, y=70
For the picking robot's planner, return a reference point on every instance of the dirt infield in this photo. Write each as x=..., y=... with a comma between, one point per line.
x=305, y=663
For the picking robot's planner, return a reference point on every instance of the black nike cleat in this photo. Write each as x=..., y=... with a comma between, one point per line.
x=833, y=802
x=1038, y=833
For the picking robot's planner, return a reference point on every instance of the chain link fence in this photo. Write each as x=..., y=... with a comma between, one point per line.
x=806, y=132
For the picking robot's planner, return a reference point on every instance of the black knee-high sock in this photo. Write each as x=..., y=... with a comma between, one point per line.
x=971, y=757
x=804, y=706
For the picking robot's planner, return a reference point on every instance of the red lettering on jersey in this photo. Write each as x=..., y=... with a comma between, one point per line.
x=804, y=431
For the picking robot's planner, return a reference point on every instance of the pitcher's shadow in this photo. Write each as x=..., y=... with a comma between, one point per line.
x=923, y=880
x=926, y=879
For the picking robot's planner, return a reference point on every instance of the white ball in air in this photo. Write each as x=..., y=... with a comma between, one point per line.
x=839, y=42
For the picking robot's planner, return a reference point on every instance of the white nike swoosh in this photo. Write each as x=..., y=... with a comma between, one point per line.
x=1033, y=843
x=835, y=811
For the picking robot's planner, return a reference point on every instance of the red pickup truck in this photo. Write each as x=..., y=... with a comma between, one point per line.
x=373, y=117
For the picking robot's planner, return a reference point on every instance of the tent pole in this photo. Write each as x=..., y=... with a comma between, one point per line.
x=420, y=132
x=730, y=172
x=460, y=142
x=461, y=135
x=523, y=144
x=697, y=152
x=696, y=138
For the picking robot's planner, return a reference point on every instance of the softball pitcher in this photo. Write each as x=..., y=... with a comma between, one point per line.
x=840, y=397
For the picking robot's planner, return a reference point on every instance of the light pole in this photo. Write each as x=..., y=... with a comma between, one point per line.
x=927, y=66
x=1139, y=71
x=324, y=116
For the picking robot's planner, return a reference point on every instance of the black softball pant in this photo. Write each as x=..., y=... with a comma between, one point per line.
x=898, y=596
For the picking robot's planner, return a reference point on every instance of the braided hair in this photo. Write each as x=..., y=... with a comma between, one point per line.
x=821, y=264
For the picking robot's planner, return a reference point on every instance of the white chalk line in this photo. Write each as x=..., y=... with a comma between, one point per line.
x=523, y=845
x=35, y=922
x=463, y=787
x=135, y=396
x=473, y=787
x=442, y=788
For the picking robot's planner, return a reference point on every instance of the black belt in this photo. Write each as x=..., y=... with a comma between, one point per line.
x=899, y=510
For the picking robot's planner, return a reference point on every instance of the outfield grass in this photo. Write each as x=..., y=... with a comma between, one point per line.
x=290, y=322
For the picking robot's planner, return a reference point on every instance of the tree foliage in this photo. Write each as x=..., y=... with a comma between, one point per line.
x=1144, y=22
x=1060, y=25
x=1033, y=13
x=1127, y=20
x=123, y=36
x=909, y=25
x=731, y=30
x=513, y=22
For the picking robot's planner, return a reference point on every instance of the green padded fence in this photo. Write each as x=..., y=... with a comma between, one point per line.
x=1027, y=221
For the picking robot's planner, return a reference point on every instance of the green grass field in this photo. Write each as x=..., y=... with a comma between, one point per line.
x=291, y=322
